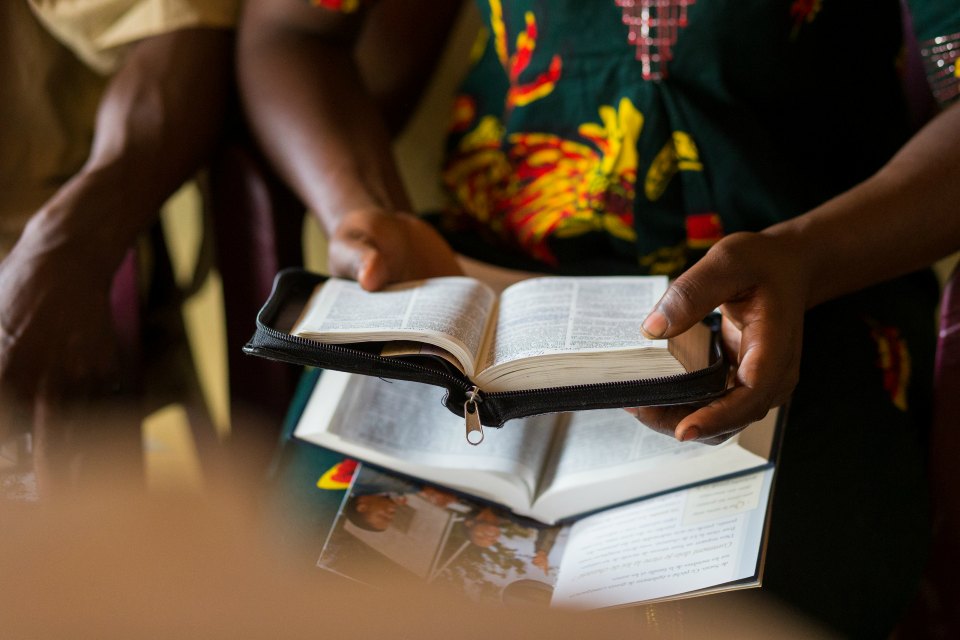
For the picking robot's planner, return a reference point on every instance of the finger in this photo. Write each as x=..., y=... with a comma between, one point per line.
x=374, y=273
x=767, y=372
x=731, y=335
x=345, y=257
x=356, y=257
x=724, y=417
x=662, y=419
x=692, y=296
x=770, y=351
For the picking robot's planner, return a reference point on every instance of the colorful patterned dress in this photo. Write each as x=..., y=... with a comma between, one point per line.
x=576, y=147
x=628, y=136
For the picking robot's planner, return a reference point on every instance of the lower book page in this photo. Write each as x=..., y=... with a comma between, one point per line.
x=683, y=542
x=405, y=426
x=606, y=457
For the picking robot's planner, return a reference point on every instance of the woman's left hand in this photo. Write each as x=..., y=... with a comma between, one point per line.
x=758, y=281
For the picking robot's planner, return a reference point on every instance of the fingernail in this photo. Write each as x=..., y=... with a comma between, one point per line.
x=691, y=433
x=655, y=325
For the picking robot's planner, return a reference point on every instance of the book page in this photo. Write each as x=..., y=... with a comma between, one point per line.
x=679, y=543
x=609, y=438
x=607, y=457
x=410, y=533
x=405, y=426
x=561, y=315
x=456, y=308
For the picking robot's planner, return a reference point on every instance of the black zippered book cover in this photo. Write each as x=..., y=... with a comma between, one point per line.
x=292, y=289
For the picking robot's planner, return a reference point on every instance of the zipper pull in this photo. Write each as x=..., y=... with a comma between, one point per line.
x=472, y=416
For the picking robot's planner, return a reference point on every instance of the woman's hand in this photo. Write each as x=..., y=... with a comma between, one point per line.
x=378, y=248
x=758, y=280
x=902, y=218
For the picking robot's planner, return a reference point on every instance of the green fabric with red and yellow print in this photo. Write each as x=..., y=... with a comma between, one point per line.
x=564, y=150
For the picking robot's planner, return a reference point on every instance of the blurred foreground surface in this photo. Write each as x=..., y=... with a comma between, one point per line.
x=111, y=559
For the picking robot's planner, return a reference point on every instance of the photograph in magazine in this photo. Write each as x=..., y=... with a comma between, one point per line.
x=390, y=530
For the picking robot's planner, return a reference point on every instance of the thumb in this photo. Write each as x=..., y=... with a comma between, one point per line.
x=360, y=259
x=690, y=298
x=373, y=273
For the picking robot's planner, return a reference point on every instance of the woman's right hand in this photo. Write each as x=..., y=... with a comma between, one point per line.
x=377, y=247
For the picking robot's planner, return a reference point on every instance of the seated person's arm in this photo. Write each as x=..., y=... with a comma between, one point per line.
x=159, y=118
x=903, y=218
x=323, y=91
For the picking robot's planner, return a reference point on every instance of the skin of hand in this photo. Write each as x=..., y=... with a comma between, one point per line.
x=159, y=117
x=901, y=219
x=325, y=93
x=752, y=277
x=378, y=248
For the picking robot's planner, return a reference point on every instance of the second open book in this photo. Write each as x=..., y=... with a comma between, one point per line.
x=549, y=467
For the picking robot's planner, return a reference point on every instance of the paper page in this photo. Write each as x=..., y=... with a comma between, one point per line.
x=608, y=457
x=674, y=544
x=407, y=425
x=455, y=307
x=396, y=348
x=408, y=532
x=609, y=438
x=559, y=315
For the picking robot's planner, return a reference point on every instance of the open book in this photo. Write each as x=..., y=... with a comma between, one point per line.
x=539, y=333
x=548, y=467
x=544, y=345
x=391, y=531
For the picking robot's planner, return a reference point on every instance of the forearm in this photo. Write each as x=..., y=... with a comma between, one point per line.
x=903, y=218
x=313, y=116
x=158, y=121
x=316, y=99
